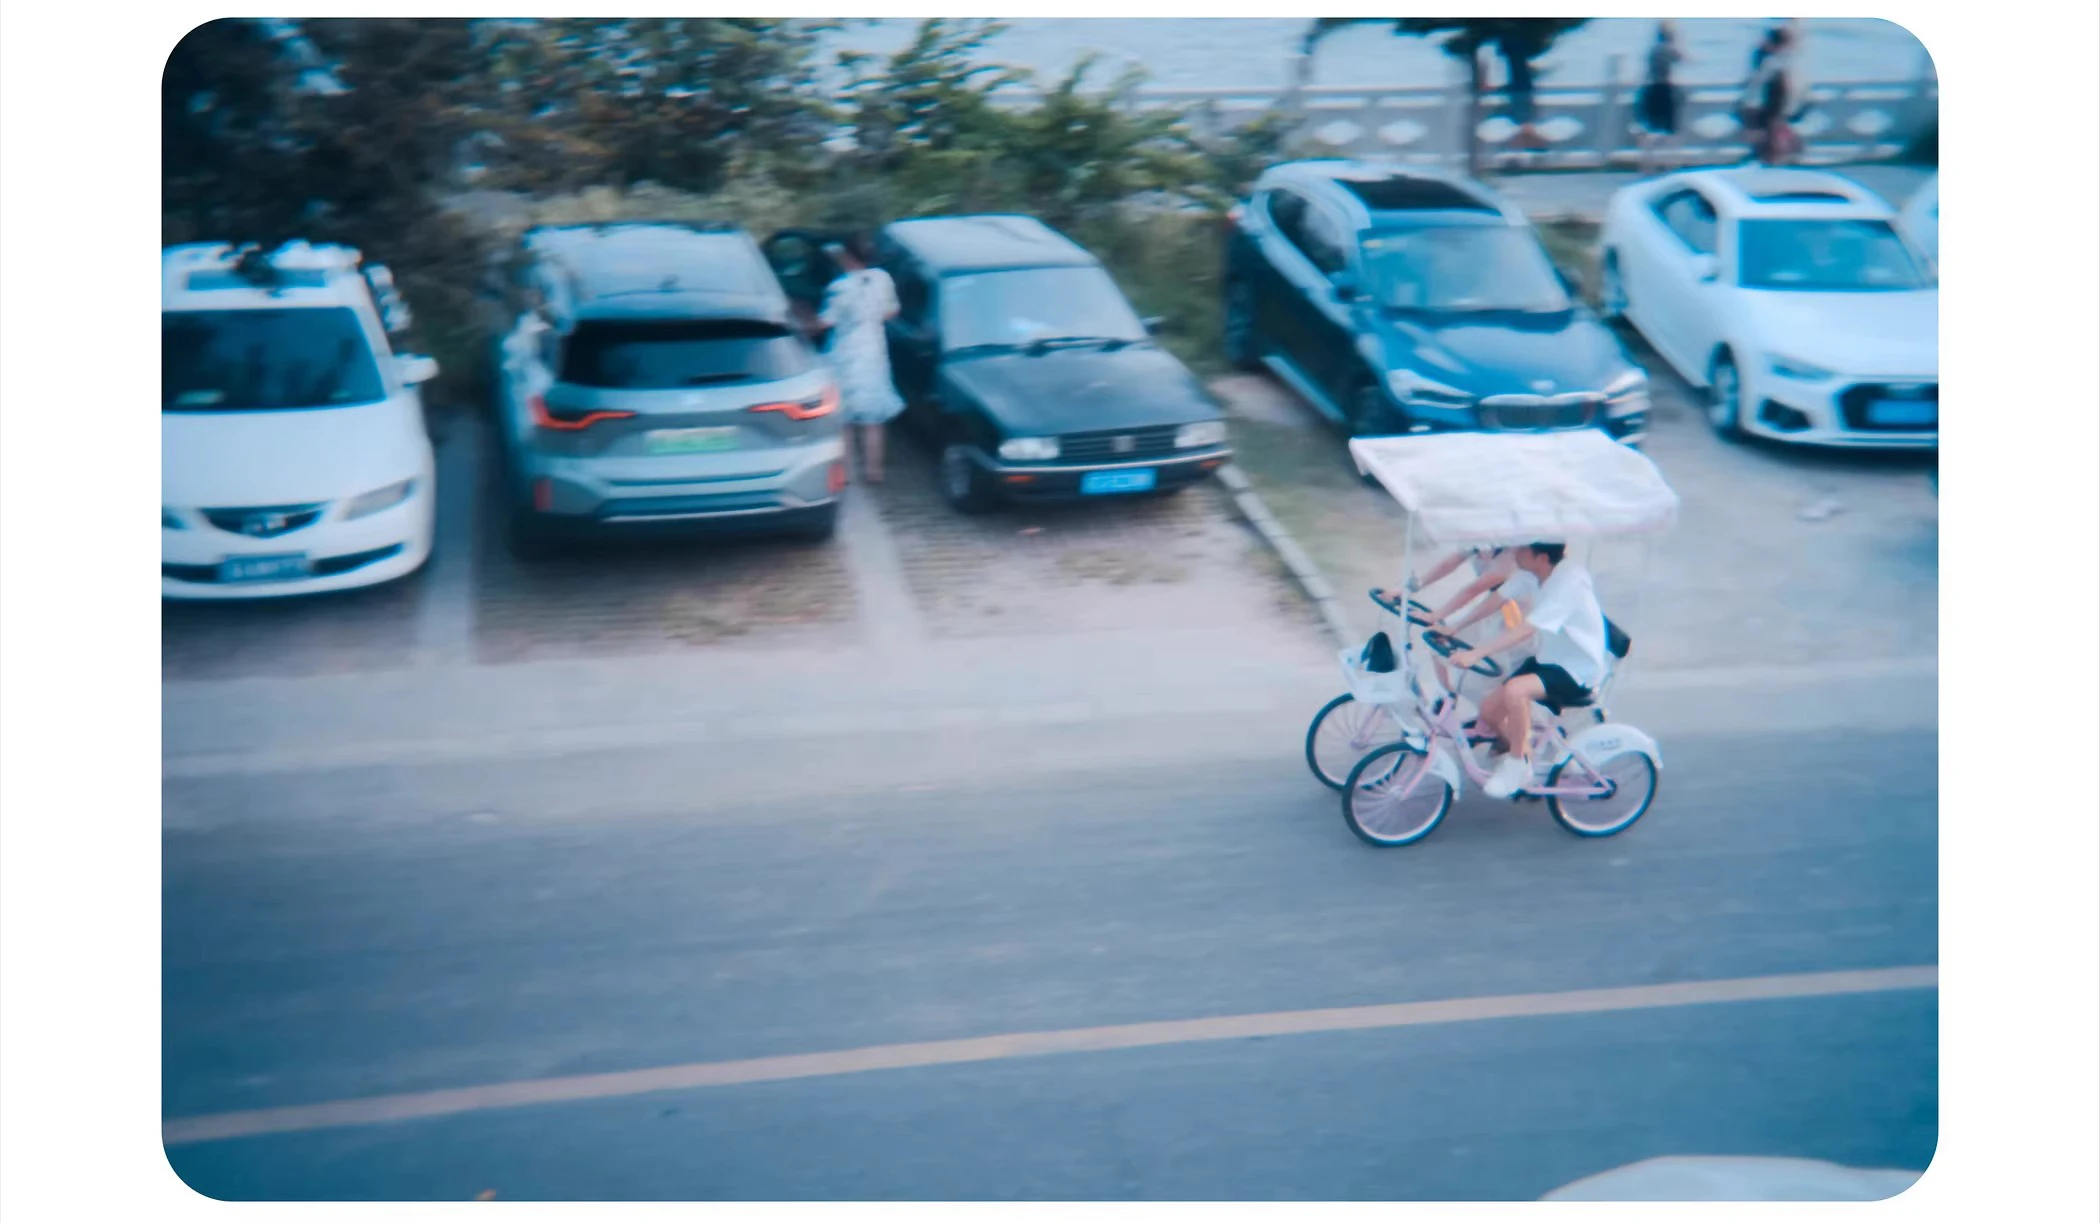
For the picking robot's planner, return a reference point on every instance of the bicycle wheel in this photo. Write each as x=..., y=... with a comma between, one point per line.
x=1634, y=783
x=1340, y=734
x=1394, y=798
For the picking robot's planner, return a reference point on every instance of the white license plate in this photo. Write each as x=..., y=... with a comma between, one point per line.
x=711, y=440
x=1903, y=412
x=264, y=568
x=1135, y=481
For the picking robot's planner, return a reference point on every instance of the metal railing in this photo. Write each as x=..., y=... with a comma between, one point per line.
x=1581, y=126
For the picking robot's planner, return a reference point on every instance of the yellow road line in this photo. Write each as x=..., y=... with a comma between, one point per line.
x=409, y=1106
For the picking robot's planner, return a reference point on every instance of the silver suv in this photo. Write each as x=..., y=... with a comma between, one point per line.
x=654, y=379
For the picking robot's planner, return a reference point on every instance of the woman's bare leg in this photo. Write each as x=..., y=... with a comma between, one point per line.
x=847, y=439
x=871, y=447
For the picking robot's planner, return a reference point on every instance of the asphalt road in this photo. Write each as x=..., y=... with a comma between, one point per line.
x=347, y=934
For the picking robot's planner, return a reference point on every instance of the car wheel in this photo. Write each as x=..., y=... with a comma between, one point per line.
x=962, y=484
x=1242, y=348
x=1371, y=414
x=1724, y=397
x=1611, y=292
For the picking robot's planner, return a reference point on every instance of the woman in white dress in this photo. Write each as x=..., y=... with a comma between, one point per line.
x=856, y=306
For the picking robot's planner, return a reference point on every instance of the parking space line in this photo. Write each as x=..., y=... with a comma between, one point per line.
x=889, y=616
x=410, y=1106
x=445, y=612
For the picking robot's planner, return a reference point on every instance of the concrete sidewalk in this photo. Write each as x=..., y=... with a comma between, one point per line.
x=764, y=711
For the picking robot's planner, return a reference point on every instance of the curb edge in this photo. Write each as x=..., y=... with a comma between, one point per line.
x=1300, y=566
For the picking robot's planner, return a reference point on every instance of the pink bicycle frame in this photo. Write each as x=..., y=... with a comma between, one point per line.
x=1443, y=726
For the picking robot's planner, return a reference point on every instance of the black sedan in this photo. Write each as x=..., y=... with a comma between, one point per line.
x=1025, y=365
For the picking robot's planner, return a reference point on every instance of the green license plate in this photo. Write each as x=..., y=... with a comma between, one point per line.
x=692, y=441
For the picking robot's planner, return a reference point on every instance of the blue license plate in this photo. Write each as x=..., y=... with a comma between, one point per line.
x=1903, y=411
x=264, y=568
x=1136, y=480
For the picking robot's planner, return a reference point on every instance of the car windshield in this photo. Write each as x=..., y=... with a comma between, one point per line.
x=1461, y=268
x=1826, y=256
x=265, y=360
x=1034, y=305
x=662, y=355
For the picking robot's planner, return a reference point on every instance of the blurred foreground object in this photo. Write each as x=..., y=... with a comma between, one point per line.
x=1733, y=1178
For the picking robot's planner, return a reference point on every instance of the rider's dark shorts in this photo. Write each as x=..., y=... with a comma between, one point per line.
x=1561, y=689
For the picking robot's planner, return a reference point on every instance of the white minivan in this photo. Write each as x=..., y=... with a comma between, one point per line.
x=294, y=453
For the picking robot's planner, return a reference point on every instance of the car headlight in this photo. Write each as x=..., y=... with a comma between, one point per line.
x=1787, y=367
x=1627, y=394
x=365, y=504
x=170, y=520
x=1627, y=383
x=1028, y=449
x=1202, y=433
x=1410, y=387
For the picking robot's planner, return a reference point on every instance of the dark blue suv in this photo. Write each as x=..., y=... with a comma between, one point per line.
x=1404, y=300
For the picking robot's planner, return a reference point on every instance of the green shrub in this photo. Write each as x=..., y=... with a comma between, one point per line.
x=707, y=119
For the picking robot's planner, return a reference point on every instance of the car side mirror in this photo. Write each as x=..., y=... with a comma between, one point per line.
x=1156, y=324
x=1345, y=286
x=415, y=369
x=1705, y=267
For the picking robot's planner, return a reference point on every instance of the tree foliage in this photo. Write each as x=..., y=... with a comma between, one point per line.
x=930, y=124
x=363, y=130
x=671, y=101
x=1518, y=40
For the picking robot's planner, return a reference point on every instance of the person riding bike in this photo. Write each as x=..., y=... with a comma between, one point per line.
x=1568, y=664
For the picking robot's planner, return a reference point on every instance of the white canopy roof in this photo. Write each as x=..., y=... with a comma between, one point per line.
x=1499, y=489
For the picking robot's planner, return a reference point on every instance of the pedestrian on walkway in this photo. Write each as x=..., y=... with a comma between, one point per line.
x=1659, y=102
x=1772, y=99
x=1523, y=102
x=856, y=307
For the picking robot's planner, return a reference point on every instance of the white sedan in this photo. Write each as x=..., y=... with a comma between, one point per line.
x=1790, y=297
x=1921, y=218
x=293, y=453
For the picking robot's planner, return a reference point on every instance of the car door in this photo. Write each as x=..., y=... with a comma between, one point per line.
x=1328, y=335
x=1281, y=212
x=1677, y=271
x=798, y=260
x=1304, y=253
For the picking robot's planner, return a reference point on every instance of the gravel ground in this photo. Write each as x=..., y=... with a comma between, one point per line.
x=1780, y=555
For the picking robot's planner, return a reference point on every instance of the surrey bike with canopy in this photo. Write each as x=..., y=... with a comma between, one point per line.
x=1399, y=744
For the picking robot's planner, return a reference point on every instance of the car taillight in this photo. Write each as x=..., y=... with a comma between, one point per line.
x=568, y=421
x=807, y=409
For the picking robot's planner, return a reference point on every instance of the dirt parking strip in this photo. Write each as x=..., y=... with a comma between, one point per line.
x=1121, y=563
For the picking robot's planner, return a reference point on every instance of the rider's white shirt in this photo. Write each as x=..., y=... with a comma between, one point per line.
x=1570, y=625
